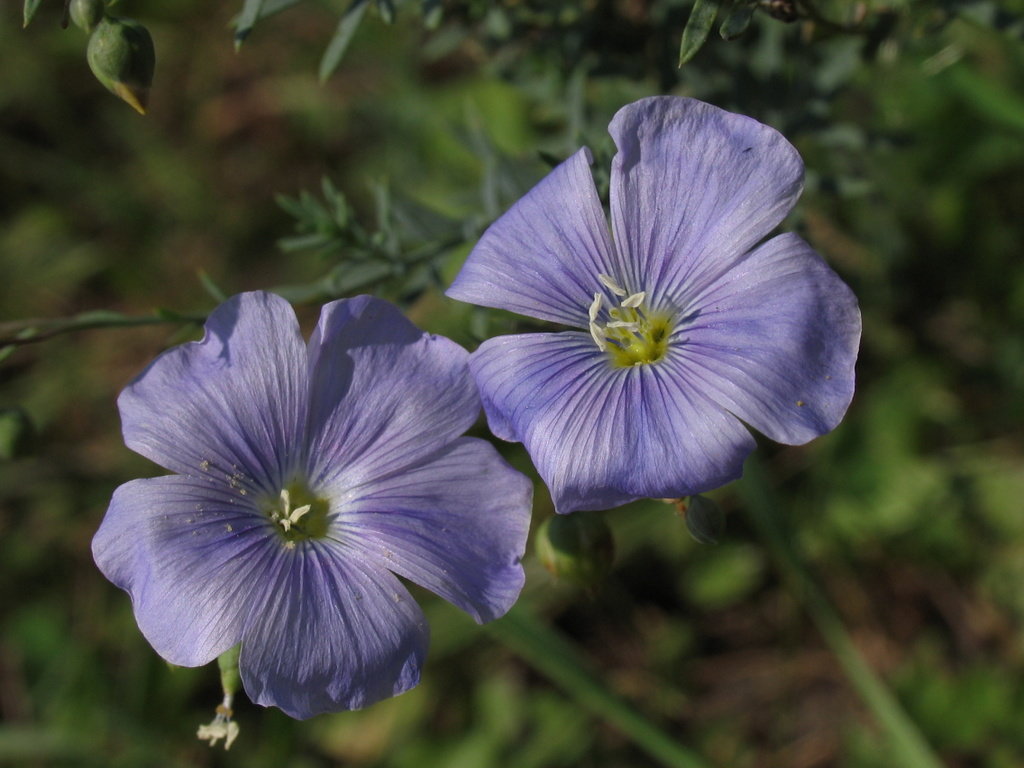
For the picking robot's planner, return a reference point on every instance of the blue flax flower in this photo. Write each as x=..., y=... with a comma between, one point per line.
x=690, y=325
x=309, y=477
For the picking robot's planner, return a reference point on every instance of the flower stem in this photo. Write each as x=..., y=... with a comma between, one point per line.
x=19, y=332
x=554, y=656
x=909, y=747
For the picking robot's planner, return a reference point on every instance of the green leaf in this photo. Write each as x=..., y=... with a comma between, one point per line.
x=702, y=17
x=31, y=6
x=432, y=13
x=246, y=21
x=737, y=20
x=348, y=278
x=211, y=287
x=270, y=7
x=342, y=37
x=386, y=9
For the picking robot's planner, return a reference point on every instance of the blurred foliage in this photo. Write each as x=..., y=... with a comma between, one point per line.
x=910, y=117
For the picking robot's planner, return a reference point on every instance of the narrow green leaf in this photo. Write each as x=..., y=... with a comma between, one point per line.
x=246, y=21
x=211, y=287
x=386, y=9
x=31, y=6
x=342, y=37
x=702, y=17
x=347, y=278
x=908, y=747
x=558, y=659
x=432, y=13
x=737, y=20
x=270, y=7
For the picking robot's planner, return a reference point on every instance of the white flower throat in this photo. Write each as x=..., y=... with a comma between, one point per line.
x=632, y=335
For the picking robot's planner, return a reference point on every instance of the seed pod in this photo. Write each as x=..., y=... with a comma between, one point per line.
x=87, y=13
x=121, y=56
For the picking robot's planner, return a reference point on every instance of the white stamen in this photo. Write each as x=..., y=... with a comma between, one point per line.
x=611, y=285
x=222, y=727
x=634, y=326
x=635, y=300
x=286, y=516
x=595, y=331
x=595, y=307
x=298, y=512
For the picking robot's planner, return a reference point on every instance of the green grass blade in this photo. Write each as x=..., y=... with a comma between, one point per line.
x=553, y=656
x=909, y=749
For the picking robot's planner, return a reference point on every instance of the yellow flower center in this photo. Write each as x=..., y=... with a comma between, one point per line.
x=299, y=514
x=633, y=334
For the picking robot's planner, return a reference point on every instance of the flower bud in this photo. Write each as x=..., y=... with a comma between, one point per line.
x=16, y=433
x=87, y=13
x=577, y=547
x=704, y=519
x=121, y=56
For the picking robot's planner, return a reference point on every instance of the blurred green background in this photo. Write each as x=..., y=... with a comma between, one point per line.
x=909, y=516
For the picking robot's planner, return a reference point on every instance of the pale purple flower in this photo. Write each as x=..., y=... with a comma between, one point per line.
x=309, y=477
x=690, y=326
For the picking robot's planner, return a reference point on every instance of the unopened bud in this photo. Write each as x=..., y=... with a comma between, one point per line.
x=121, y=56
x=577, y=547
x=16, y=433
x=704, y=519
x=87, y=13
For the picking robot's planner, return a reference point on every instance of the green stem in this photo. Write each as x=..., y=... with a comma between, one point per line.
x=20, y=332
x=909, y=747
x=553, y=656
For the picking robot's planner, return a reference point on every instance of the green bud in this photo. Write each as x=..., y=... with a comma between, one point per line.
x=16, y=433
x=578, y=547
x=87, y=13
x=121, y=56
x=704, y=519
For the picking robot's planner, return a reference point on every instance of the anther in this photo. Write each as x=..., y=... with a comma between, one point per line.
x=635, y=300
x=611, y=285
x=595, y=308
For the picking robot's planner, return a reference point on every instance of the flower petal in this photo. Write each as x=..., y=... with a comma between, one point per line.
x=543, y=256
x=232, y=405
x=455, y=524
x=333, y=633
x=191, y=556
x=693, y=188
x=774, y=341
x=602, y=436
x=384, y=394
